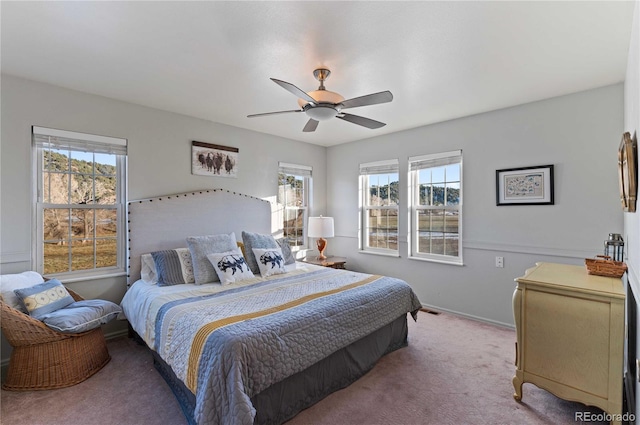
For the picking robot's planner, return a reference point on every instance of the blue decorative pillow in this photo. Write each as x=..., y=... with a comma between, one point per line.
x=173, y=266
x=81, y=316
x=256, y=240
x=201, y=246
x=270, y=261
x=44, y=298
x=230, y=266
x=286, y=251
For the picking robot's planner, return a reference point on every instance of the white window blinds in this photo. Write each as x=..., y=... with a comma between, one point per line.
x=61, y=139
x=379, y=167
x=437, y=160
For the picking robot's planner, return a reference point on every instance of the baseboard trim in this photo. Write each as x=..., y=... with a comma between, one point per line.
x=468, y=316
x=116, y=334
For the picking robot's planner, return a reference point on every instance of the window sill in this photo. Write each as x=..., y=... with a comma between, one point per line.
x=84, y=277
x=382, y=254
x=433, y=260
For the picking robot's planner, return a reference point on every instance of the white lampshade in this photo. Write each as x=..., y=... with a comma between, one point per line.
x=320, y=227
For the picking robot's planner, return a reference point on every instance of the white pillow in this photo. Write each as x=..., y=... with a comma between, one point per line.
x=11, y=282
x=148, y=272
x=230, y=266
x=270, y=261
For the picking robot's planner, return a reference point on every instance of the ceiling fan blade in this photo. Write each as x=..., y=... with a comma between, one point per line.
x=310, y=126
x=295, y=90
x=273, y=113
x=370, y=99
x=365, y=122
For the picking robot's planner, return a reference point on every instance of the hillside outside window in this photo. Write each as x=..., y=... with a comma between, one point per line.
x=80, y=203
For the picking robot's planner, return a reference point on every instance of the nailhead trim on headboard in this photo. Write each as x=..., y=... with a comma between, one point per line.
x=197, y=192
x=177, y=195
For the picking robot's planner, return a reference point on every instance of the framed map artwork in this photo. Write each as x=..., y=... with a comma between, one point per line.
x=525, y=186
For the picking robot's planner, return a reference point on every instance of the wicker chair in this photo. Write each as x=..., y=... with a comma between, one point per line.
x=43, y=359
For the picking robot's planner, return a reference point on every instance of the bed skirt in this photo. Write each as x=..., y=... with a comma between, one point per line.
x=283, y=400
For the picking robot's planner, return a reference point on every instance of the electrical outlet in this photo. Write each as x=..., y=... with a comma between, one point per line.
x=500, y=262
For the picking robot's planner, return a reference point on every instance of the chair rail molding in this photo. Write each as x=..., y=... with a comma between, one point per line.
x=528, y=249
x=15, y=257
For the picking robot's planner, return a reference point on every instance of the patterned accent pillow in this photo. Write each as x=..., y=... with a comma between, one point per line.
x=270, y=261
x=44, y=298
x=230, y=266
x=201, y=246
x=256, y=240
x=173, y=266
x=286, y=251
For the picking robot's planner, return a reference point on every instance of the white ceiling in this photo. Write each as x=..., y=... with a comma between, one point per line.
x=213, y=60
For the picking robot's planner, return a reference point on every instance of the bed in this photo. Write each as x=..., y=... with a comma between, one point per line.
x=262, y=349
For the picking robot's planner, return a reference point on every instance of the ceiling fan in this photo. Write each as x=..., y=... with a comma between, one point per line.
x=322, y=104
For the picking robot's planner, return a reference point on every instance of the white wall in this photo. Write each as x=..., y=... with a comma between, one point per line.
x=632, y=125
x=578, y=133
x=159, y=162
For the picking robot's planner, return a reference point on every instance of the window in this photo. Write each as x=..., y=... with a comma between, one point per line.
x=379, y=207
x=436, y=206
x=294, y=192
x=80, y=203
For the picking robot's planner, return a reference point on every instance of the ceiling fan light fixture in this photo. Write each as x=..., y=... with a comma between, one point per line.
x=321, y=112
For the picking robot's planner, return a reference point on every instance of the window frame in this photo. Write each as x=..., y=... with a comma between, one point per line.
x=365, y=171
x=88, y=143
x=415, y=165
x=306, y=172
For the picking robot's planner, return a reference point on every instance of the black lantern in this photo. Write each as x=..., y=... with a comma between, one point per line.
x=614, y=247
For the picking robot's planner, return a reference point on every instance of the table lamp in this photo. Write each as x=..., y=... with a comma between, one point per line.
x=320, y=227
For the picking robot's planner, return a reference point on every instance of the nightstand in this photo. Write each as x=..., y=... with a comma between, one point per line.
x=333, y=262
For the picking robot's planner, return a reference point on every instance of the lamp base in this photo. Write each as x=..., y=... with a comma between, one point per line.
x=322, y=244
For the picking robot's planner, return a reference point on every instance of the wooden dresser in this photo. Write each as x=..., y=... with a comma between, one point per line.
x=570, y=335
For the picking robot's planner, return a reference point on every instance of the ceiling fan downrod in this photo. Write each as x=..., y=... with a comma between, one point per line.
x=321, y=74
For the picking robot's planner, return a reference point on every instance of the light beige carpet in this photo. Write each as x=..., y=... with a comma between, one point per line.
x=454, y=371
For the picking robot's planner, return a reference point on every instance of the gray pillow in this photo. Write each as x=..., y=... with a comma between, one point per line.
x=256, y=240
x=173, y=266
x=286, y=251
x=200, y=247
x=81, y=316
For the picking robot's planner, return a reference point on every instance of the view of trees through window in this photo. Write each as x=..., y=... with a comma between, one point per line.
x=79, y=207
x=382, y=211
x=291, y=194
x=436, y=211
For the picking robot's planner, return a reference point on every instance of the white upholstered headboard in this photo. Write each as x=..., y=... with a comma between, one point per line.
x=166, y=221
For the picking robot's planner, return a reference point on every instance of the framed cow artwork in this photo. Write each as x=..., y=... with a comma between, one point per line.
x=214, y=160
